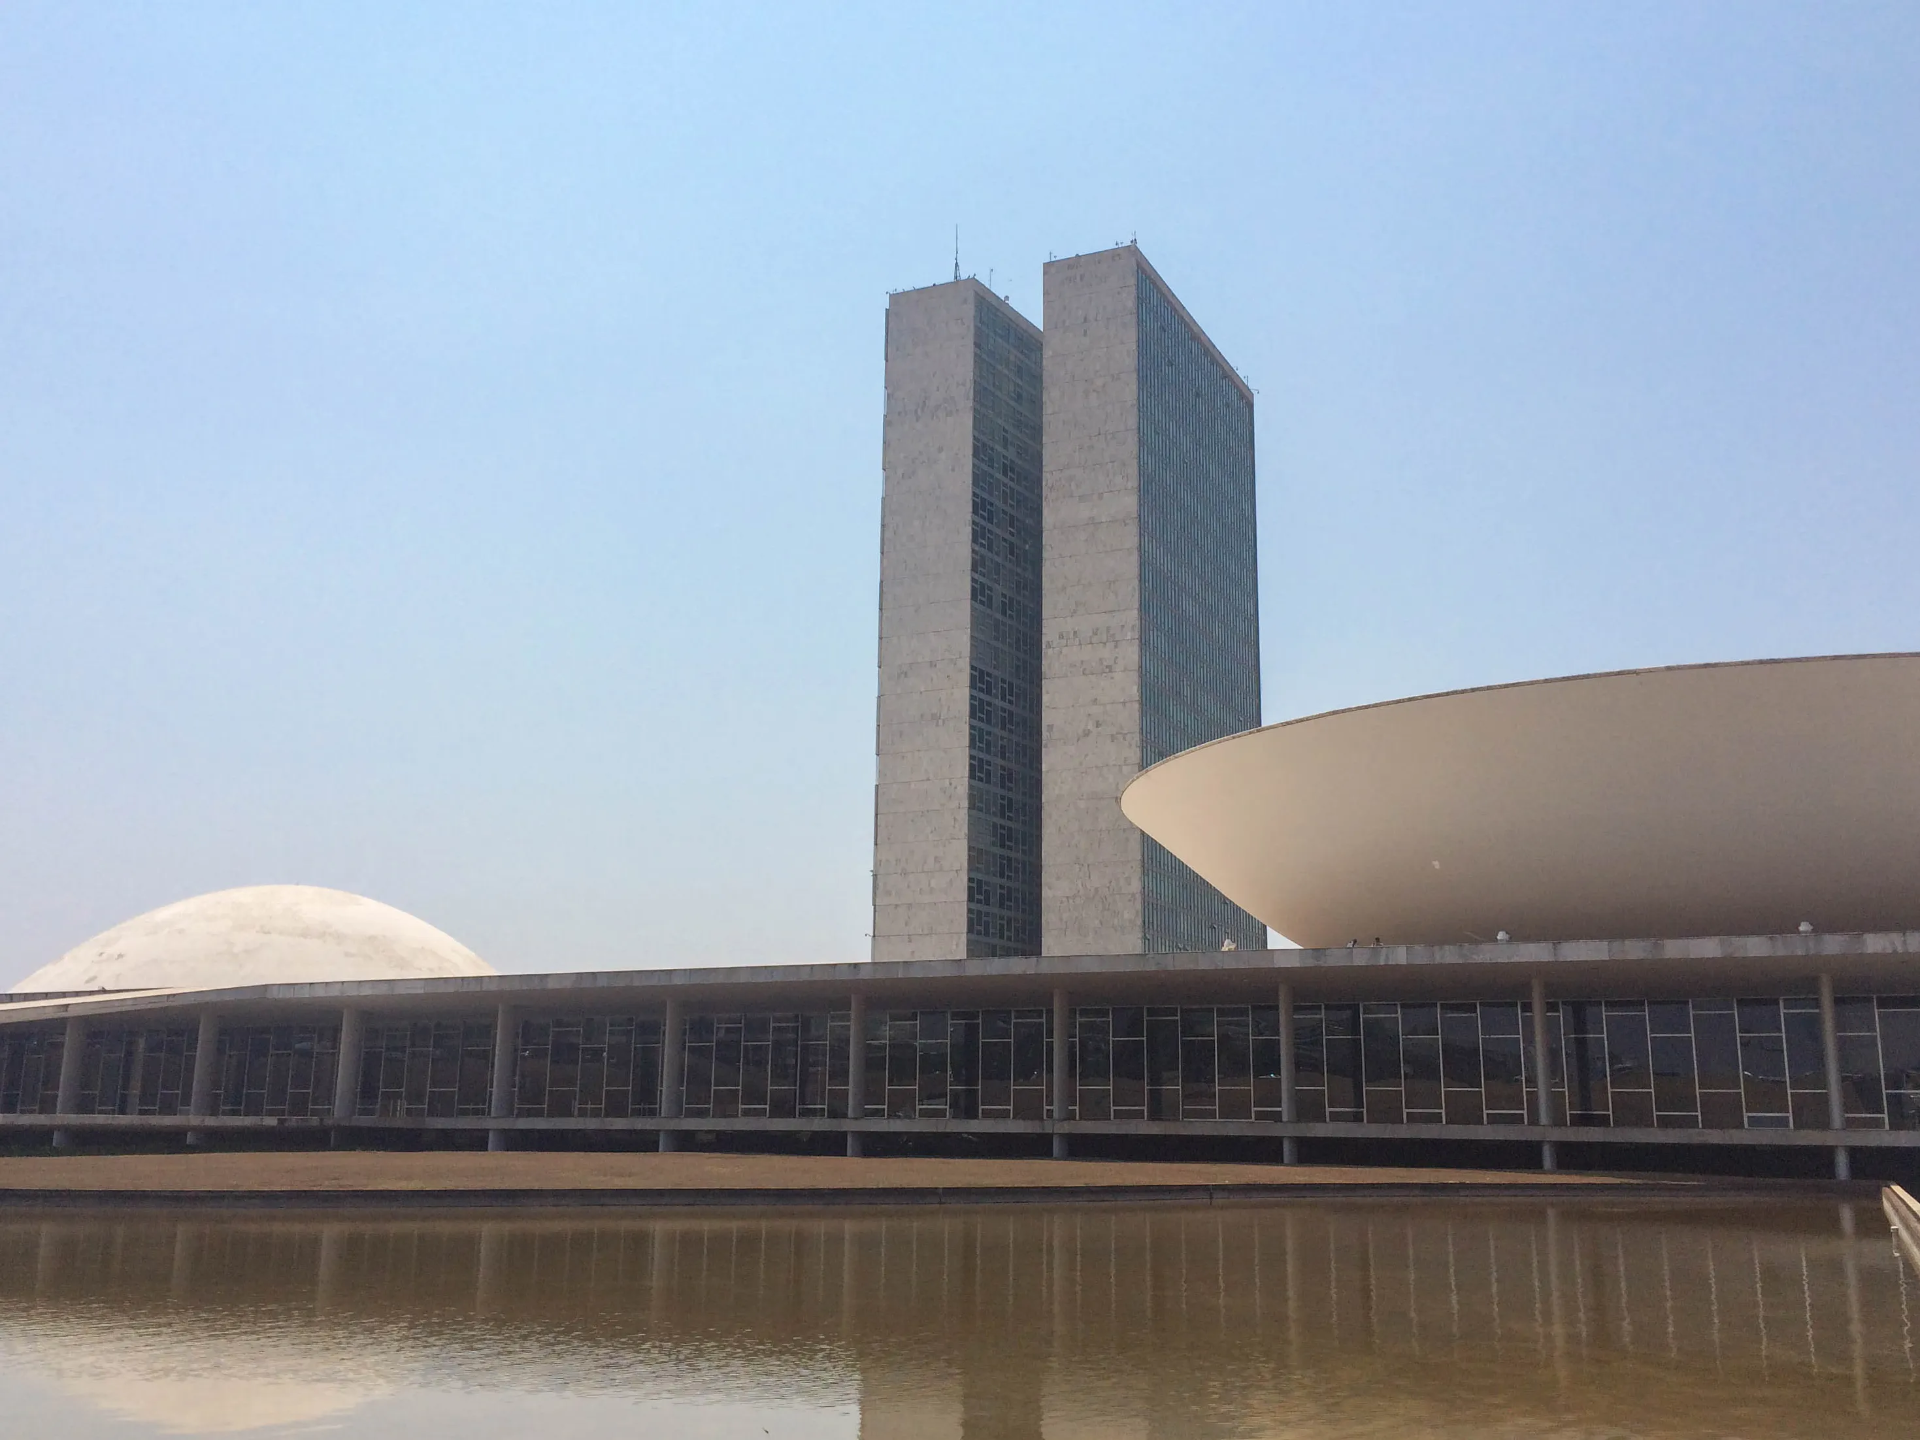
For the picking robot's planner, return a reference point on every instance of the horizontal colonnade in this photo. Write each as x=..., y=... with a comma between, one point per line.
x=1811, y=1069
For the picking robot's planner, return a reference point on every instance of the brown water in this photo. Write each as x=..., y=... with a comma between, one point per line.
x=1302, y=1321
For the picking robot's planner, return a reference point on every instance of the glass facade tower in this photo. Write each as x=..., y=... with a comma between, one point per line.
x=1003, y=737
x=957, y=798
x=1151, y=636
x=1199, y=592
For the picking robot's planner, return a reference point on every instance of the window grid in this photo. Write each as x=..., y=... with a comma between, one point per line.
x=1003, y=760
x=427, y=1068
x=1199, y=594
x=283, y=1070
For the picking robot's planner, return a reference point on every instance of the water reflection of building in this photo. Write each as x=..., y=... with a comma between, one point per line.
x=1013, y=1324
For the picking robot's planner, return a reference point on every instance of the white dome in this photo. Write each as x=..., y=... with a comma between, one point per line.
x=259, y=935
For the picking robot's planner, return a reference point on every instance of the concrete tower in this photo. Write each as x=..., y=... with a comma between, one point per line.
x=1151, y=627
x=956, y=855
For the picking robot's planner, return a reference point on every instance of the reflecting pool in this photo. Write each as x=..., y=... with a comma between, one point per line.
x=1354, y=1319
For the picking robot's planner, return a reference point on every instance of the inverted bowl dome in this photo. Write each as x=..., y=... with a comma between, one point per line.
x=259, y=935
x=1698, y=800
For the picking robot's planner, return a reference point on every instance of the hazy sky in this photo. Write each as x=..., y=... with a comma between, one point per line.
x=440, y=445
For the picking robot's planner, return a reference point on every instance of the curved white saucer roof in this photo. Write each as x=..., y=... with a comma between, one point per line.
x=1698, y=800
x=259, y=935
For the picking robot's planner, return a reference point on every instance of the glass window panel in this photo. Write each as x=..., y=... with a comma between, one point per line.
x=1763, y=1071
x=1670, y=1017
x=1582, y=1017
x=1806, y=1060
x=1900, y=1049
x=1420, y=1056
x=1586, y=1073
x=1234, y=1039
x=1197, y=1075
x=1029, y=1052
x=1130, y=1074
x=1722, y=1110
x=1309, y=1045
x=1095, y=1051
x=1853, y=1015
x=1673, y=1087
x=1716, y=1049
x=1499, y=1018
x=1630, y=1065
x=1385, y=1106
x=1632, y=1107
x=1380, y=1035
x=1464, y=1108
x=1861, y=1092
x=1420, y=1020
x=1502, y=1058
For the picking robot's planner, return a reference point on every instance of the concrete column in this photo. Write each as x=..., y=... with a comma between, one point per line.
x=1543, y=1071
x=346, y=1074
x=856, y=1069
x=673, y=1055
x=1830, y=1052
x=506, y=1050
x=1062, y=1070
x=1289, y=1100
x=67, y=1100
x=201, y=1099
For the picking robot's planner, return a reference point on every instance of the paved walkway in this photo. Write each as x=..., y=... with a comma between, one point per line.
x=531, y=1177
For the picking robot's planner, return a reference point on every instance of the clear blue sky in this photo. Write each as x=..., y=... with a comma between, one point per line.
x=439, y=445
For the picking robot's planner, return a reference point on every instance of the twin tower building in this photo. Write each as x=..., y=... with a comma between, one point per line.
x=1068, y=593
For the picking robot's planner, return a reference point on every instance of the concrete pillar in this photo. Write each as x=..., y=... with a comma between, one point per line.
x=1830, y=1052
x=1289, y=1100
x=346, y=1074
x=1062, y=1070
x=506, y=1050
x=1543, y=1071
x=673, y=1055
x=856, y=1069
x=67, y=1101
x=201, y=1099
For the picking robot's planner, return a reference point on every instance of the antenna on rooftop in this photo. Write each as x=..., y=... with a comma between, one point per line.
x=956, y=252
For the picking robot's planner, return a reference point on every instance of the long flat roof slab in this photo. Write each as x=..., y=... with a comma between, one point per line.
x=1706, y=964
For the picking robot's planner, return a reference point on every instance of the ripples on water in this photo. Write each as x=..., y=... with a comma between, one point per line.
x=1349, y=1320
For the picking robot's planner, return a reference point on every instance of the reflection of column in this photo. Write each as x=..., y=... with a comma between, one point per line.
x=346, y=1073
x=848, y=1288
x=1293, y=1293
x=1713, y=1303
x=1062, y=1031
x=1555, y=1308
x=658, y=1276
x=490, y=1270
x=673, y=1056
x=182, y=1279
x=1289, y=1102
x=1830, y=1051
x=1543, y=1071
x=506, y=1050
x=201, y=1099
x=46, y=1261
x=1856, y=1329
x=856, y=1069
x=67, y=1101
x=326, y=1278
